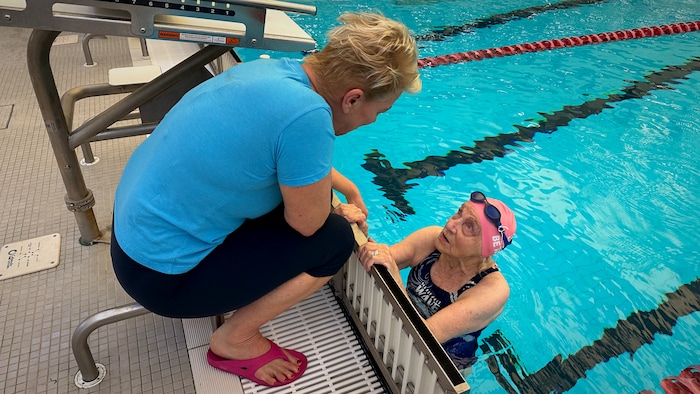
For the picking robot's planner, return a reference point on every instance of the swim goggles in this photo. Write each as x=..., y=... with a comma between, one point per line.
x=492, y=213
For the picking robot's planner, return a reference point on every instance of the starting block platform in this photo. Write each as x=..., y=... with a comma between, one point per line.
x=241, y=23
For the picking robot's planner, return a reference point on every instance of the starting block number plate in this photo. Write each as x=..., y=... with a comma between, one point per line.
x=24, y=257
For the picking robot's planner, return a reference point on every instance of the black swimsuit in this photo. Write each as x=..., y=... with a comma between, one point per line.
x=429, y=298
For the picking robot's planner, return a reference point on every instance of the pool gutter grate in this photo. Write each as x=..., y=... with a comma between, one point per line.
x=319, y=329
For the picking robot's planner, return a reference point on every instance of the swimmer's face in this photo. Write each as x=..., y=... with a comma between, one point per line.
x=461, y=236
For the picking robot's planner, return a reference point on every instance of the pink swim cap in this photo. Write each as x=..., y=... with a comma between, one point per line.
x=491, y=238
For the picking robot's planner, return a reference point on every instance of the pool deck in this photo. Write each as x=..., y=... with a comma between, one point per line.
x=40, y=310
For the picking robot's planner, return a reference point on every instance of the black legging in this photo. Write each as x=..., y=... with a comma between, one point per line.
x=253, y=260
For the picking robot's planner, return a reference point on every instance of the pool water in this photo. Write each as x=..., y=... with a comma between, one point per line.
x=596, y=150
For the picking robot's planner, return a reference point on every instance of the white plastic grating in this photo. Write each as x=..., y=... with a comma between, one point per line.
x=317, y=326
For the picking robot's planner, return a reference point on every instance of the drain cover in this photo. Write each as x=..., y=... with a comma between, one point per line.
x=29, y=256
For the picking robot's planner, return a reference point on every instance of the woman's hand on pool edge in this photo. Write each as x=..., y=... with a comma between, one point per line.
x=353, y=214
x=373, y=253
x=359, y=203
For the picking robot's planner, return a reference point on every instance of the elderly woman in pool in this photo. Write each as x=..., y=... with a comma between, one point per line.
x=454, y=282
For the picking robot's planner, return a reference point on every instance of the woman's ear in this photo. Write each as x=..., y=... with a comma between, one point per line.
x=351, y=98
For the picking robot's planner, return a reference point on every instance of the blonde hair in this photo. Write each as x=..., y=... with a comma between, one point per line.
x=370, y=52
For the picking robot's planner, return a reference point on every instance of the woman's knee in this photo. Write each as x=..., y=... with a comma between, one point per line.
x=338, y=241
x=342, y=234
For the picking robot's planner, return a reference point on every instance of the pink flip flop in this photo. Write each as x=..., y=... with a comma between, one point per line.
x=678, y=385
x=247, y=368
x=692, y=372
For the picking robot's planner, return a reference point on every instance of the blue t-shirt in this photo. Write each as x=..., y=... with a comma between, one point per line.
x=218, y=158
x=429, y=299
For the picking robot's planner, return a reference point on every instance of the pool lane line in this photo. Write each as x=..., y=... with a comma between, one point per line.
x=499, y=19
x=394, y=182
x=629, y=335
x=546, y=45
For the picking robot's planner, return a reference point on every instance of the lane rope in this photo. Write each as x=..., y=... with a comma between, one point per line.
x=545, y=45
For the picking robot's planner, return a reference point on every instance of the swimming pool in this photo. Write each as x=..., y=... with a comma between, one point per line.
x=594, y=147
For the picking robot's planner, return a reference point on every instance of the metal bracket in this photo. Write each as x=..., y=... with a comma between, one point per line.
x=81, y=205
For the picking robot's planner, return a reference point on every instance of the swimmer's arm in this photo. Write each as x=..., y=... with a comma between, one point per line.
x=406, y=253
x=415, y=247
x=474, y=309
x=306, y=208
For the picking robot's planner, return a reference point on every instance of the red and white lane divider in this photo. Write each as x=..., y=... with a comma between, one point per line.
x=546, y=45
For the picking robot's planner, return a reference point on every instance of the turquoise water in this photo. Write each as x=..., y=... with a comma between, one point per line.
x=604, y=268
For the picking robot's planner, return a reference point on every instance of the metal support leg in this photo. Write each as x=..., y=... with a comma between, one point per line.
x=144, y=48
x=144, y=94
x=88, y=157
x=86, y=49
x=90, y=373
x=71, y=96
x=79, y=198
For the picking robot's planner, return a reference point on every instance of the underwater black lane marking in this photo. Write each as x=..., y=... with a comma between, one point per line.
x=628, y=336
x=499, y=19
x=394, y=182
